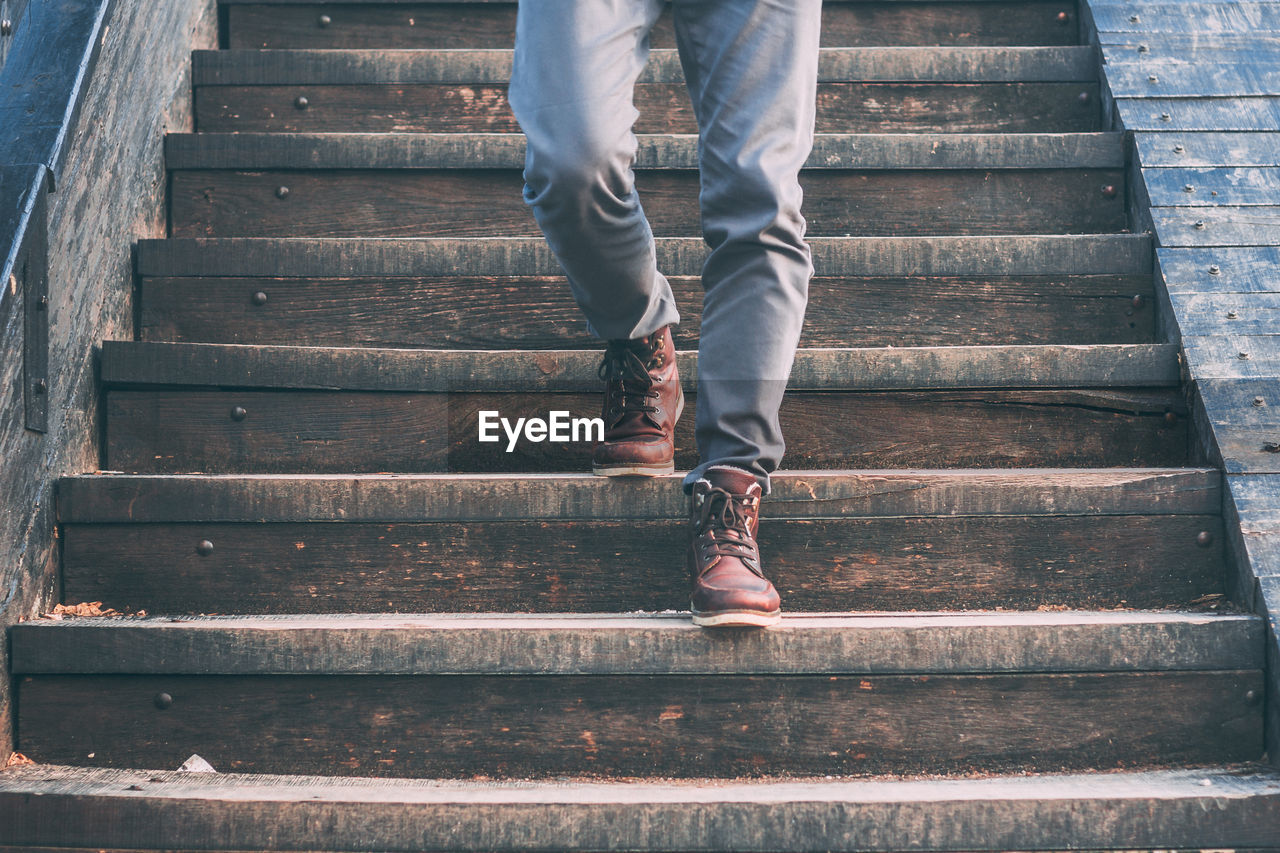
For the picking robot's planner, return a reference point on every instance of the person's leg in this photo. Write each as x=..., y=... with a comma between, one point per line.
x=574, y=73
x=751, y=67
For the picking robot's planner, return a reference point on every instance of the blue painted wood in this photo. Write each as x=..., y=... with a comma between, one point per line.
x=1219, y=356
x=1236, y=270
x=1246, y=436
x=1208, y=114
x=1212, y=186
x=1141, y=76
x=1190, y=149
x=1217, y=226
x=1219, y=17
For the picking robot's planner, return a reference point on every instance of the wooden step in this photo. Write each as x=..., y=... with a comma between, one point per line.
x=640, y=695
x=951, y=89
x=869, y=292
x=492, y=24
x=469, y=185
x=227, y=408
x=878, y=540
x=1194, y=808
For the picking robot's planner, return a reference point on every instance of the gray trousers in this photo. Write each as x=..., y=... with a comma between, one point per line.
x=751, y=69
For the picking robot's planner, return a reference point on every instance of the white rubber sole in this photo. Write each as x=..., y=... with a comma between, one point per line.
x=642, y=470
x=737, y=619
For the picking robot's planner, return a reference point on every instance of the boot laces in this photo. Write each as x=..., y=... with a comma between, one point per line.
x=628, y=377
x=721, y=527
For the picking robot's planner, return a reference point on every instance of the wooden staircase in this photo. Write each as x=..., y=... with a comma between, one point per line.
x=1001, y=559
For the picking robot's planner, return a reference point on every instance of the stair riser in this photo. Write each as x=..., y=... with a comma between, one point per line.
x=1043, y=107
x=489, y=203
x=498, y=312
x=888, y=564
x=492, y=25
x=353, y=431
x=537, y=726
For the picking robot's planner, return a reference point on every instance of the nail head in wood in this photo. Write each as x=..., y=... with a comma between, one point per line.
x=1259, y=401
x=1166, y=117
x=1178, y=149
x=1170, y=417
x=1242, y=356
x=1153, y=78
x=40, y=386
x=1109, y=190
x=1133, y=19
x=1204, y=538
x=1231, y=315
x=282, y=192
x=162, y=700
x=324, y=20
x=1063, y=17
x=1200, y=226
x=1142, y=48
x=1188, y=188
x=238, y=413
x=1252, y=697
x=1083, y=97
x=1214, y=269
x=301, y=102
x=204, y=547
x=1137, y=300
x=260, y=298
x=6, y=27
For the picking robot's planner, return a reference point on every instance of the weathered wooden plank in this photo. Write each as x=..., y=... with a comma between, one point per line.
x=935, y=255
x=498, y=312
x=633, y=725
x=489, y=203
x=653, y=644
x=1257, y=225
x=367, y=431
x=157, y=809
x=871, y=368
x=1202, y=79
x=1245, y=434
x=1187, y=46
x=1207, y=149
x=116, y=498
x=1208, y=114
x=347, y=67
x=1227, y=354
x=1211, y=186
x=445, y=25
x=1230, y=314
x=893, y=563
x=418, y=151
x=1254, y=269
x=1254, y=499
x=1210, y=18
x=664, y=108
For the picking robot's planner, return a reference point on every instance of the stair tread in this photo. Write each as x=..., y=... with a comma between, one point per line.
x=121, y=498
x=911, y=63
x=1014, y=254
x=630, y=644
x=1197, y=806
x=816, y=369
x=298, y=151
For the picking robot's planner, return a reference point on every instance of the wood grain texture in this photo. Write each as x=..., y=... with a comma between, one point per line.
x=1186, y=150
x=120, y=498
x=1245, y=434
x=1250, y=269
x=681, y=726
x=1256, y=225
x=336, y=431
x=1037, y=254
x=486, y=203
x=1014, y=107
x=494, y=312
x=1242, y=186
x=352, y=66
x=157, y=809
x=1201, y=114
x=548, y=566
x=463, y=25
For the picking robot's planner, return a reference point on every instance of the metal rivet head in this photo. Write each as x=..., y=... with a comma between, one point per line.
x=1153, y=78
x=162, y=700
x=1231, y=315
x=1243, y=356
x=1137, y=301
x=1188, y=188
x=42, y=304
x=238, y=413
x=1062, y=17
x=1109, y=190
x=1214, y=269
x=1253, y=697
x=1259, y=401
x=1133, y=19
x=1170, y=418
x=1204, y=538
x=259, y=298
x=204, y=547
x=1083, y=97
x=282, y=192
x=6, y=27
x=1200, y=226
x=1142, y=48
x=324, y=20
x=1179, y=148
x=301, y=102
x=1166, y=117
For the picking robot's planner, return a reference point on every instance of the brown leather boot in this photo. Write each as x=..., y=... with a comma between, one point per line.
x=729, y=587
x=642, y=402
